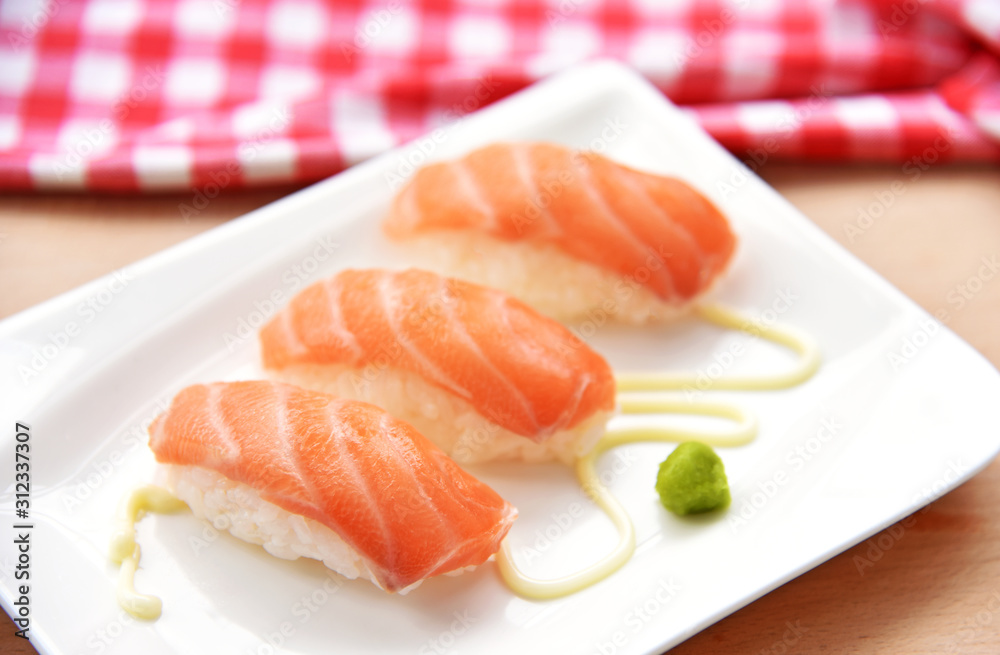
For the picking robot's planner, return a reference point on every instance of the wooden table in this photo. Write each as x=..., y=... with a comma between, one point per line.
x=935, y=590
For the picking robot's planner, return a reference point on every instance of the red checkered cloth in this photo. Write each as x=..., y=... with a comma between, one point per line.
x=172, y=94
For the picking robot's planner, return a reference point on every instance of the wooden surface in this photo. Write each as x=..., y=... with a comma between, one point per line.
x=935, y=584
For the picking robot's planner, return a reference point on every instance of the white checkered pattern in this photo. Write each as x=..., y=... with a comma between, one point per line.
x=151, y=95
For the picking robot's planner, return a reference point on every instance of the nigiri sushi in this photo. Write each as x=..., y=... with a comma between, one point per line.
x=309, y=475
x=571, y=233
x=481, y=374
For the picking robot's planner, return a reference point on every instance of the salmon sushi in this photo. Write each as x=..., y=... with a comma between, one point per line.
x=480, y=373
x=308, y=475
x=569, y=232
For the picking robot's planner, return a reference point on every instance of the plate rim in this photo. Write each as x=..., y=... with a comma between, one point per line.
x=605, y=76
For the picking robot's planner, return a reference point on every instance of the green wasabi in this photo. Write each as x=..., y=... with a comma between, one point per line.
x=692, y=480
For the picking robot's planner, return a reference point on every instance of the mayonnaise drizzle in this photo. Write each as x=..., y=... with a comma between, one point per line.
x=125, y=550
x=586, y=472
x=742, y=433
x=804, y=368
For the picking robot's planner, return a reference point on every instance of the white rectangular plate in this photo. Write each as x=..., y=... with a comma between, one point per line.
x=899, y=413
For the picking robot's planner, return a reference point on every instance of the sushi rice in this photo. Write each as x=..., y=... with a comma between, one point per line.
x=304, y=474
x=545, y=277
x=239, y=509
x=452, y=423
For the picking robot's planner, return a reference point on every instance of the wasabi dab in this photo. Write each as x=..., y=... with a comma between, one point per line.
x=692, y=480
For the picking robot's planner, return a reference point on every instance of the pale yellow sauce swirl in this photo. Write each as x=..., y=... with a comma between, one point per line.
x=742, y=433
x=125, y=550
x=807, y=364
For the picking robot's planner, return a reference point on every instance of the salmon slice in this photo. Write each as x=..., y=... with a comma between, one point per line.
x=389, y=493
x=656, y=230
x=527, y=373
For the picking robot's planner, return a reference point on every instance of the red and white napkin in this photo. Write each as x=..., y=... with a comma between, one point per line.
x=150, y=95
